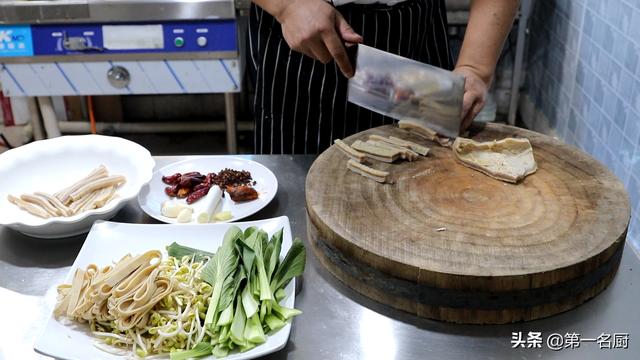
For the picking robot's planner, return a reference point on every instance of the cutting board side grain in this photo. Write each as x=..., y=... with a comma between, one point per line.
x=507, y=252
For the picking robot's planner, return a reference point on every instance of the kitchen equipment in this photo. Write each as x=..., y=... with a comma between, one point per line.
x=110, y=241
x=448, y=243
x=406, y=89
x=53, y=164
x=121, y=47
x=152, y=195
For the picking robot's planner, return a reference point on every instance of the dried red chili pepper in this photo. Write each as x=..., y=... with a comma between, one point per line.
x=201, y=186
x=171, y=179
x=197, y=195
x=191, y=180
x=172, y=190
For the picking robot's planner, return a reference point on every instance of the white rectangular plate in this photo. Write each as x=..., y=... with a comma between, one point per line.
x=109, y=241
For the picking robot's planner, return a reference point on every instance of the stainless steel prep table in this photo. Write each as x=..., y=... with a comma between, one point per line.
x=337, y=323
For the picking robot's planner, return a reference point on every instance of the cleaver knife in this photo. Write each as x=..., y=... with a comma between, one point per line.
x=402, y=88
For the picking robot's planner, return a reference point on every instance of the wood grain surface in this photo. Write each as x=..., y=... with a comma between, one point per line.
x=509, y=252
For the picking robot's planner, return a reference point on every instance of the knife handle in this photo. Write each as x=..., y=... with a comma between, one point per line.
x=352, y=53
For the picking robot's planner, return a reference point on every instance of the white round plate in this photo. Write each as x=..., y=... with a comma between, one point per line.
x=51, y=165
x=152, y=195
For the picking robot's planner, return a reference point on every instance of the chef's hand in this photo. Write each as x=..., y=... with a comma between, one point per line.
x=475, y=95
x=318, y=30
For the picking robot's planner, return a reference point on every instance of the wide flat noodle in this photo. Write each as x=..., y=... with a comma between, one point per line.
x=122, y=293
x=130, y=309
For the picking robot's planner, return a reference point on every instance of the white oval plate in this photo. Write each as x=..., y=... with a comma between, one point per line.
x=53, y=164
x=152, y=195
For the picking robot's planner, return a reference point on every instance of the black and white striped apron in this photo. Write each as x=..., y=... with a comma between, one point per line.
x=300, y=105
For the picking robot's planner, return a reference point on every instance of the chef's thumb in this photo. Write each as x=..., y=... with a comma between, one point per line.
x=346, y=31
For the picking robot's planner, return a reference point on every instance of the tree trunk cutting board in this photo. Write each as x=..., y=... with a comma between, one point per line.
x=449, y=243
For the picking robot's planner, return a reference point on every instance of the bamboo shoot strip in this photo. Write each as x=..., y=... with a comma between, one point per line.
x=33, y=210
x=97, y=184
x=93, y=191
x=64, y=195
x=107, y=195
x=38, y=201
x=55, y=202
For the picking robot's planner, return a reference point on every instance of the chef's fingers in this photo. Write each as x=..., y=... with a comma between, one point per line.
x=467, y=102
x=308, y=52
x=346, y=31
x=473, y=112
x=339, y=53
x=320, y=52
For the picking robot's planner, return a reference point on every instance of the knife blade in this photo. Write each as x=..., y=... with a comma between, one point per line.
x=402, y=88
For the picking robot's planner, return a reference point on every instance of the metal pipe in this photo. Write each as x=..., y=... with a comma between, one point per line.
x=49, y=117
x=230, y=120
x=82, y=127
x=516, y=81
x=36, y=122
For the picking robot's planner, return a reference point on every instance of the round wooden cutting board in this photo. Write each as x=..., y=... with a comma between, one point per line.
x=449, y=243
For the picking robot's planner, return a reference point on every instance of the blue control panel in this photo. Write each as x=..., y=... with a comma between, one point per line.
x=15, y=41
x=85, y=39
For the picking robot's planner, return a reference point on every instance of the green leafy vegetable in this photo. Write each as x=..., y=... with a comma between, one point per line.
x=220, y=351
x=248, y=281
x=255, y=241
x=249, y=303
x=274, y=322
x=238, y=325
x=272, y=253
x=219, y=272
x=253, y=330
x=292, y=266
x=179, y=251
x=280, y=295
x=200, y=350
x=284, y=312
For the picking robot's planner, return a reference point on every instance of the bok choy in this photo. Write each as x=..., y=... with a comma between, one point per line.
x=248, y=280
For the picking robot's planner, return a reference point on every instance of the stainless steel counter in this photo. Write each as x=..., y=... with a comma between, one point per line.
x=337, y=323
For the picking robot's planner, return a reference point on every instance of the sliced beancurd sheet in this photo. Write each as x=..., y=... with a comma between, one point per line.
x=144, y=305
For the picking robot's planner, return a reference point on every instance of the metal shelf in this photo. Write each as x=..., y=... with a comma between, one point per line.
x=113, y=11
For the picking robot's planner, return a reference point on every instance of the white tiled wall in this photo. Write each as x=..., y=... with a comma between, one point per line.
x=583, y=74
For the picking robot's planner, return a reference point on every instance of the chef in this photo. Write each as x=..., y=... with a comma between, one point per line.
x=299, y=66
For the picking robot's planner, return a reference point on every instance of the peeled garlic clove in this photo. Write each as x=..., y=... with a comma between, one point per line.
x=185, y=215
x=171, y=209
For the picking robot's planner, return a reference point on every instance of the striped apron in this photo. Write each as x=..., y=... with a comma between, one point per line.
x=300, y=105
